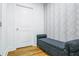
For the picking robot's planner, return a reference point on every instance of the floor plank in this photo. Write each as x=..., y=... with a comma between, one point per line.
x=28, y=51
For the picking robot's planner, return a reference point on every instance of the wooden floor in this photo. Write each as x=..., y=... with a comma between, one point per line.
x=28, y=51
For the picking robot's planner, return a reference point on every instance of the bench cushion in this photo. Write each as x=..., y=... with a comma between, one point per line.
x=55, y=43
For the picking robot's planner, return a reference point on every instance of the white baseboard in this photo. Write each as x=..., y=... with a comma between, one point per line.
x=6, y=53
x=34, y=44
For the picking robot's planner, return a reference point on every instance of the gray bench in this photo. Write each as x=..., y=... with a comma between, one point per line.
x=57, y=48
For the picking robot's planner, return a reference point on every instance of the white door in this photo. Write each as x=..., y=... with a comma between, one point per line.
x=23, y=25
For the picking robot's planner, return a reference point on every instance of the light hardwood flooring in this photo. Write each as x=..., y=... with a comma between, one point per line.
x=28, y=51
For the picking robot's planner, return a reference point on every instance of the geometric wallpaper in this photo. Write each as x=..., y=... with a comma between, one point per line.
x=62, y=21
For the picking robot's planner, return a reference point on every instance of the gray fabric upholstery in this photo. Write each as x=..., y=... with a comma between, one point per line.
x=53, y=42
x=55, y=50
x=74, y=45
x=58, y=48
x=39, y=36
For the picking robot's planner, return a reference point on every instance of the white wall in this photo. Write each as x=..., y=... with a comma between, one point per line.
x=62, y=21
x=10, y=26
x=0, y=21
x=0, y=11
x=3, y=32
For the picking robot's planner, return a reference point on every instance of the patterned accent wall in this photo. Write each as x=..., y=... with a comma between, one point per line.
x=70, y=13
x=62, y=21
x=77, y=20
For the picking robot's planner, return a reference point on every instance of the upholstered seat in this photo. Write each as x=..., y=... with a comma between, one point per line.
x=58, y=48
x=55, y=43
